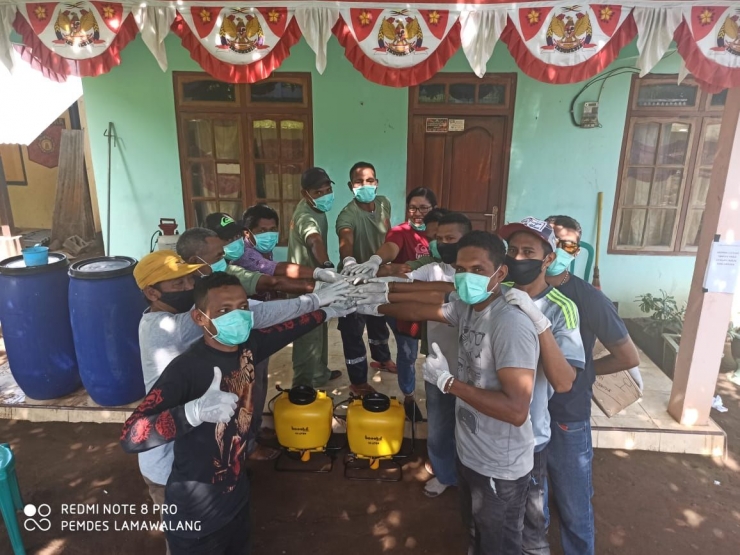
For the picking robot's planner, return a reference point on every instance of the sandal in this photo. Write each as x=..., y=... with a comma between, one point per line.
x=387, y=366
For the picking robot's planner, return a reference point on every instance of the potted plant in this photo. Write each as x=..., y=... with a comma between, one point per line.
x=658, y=334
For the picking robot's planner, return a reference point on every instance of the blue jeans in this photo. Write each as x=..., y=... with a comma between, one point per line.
x=537, y=515
x=569, y=458
x=441, y=434
x=408, y=351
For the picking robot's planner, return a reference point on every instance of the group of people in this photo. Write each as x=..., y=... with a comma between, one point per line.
x=507, y=329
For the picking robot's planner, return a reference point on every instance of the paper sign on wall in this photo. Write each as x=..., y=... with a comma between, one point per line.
x=437, y=125
x=723, y=267
x=457, y=125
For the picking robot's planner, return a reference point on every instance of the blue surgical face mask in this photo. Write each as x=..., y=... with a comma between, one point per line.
x=324, y=204
x=434, y=250
x=417, y=227
x=234, y=250
x=473, y=288
x=562, y=263
x=232, y=328
x=219, y=266
x=365, y=193
x=266, y=242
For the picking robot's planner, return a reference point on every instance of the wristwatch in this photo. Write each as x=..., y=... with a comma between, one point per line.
x=328, y=264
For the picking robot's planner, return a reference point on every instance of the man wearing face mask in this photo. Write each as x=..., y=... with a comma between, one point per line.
x=203, y=402
x=361, y=227
x=570, y=452
x=166, y=330
x=492, y=381
x=531, y=245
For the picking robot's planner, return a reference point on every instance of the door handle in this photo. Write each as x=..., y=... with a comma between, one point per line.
x=494, y=218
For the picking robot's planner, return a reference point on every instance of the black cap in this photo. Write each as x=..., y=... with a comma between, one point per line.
x=313, y=178
x=224, y=225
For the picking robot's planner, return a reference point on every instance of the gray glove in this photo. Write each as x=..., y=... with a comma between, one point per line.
x=347, y=265
x=333, y=292
x=369, y=298
x=369, y=268
x=214, y=406
x=328, y=276
x=339, y=309
x=390, y=279
x=368, y=310
x=369, y=288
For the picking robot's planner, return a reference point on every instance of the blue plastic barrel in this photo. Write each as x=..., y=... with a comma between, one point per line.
x=34, y=315
x=105, y=306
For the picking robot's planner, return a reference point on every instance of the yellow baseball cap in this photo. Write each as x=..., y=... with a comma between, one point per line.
x=162, y=266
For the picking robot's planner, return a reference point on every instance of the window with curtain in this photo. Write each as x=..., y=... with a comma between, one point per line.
x=669, y=147
x=243, y=144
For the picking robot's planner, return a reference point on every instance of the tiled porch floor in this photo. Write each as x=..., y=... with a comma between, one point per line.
x=644, y=425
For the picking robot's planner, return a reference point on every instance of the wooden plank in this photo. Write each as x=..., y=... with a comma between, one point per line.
x=6, y=214
x=73, y=208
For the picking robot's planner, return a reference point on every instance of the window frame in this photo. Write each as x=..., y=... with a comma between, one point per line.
x=245, y=112
x=698, y=117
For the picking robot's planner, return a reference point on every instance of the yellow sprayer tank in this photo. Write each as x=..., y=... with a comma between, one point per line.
x=375, y=426
x=303, y=418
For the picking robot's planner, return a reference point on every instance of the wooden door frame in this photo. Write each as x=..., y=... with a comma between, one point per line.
x=506, y=110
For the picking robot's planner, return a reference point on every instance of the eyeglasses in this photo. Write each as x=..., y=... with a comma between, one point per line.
x=421, y=209
x=571, y=247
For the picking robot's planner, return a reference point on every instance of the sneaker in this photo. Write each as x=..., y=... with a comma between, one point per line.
x=428, y=468
x=361, y=389
x=387, y=366
x=413, y=412
x=434, y=488
x=335, y=375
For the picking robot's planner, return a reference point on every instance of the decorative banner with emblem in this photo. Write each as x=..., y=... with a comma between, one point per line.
x=709, y=42
x=398, y=47
x=76, y=38
x=237, y=44
x=568, y=43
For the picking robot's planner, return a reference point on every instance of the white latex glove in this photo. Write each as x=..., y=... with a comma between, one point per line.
x=333, y=292
x=347, y=265
x=369, y=268
x=328, y=276
x=369, y=298
x=368, y=310
x=370, y=288
x=214, y=406
x=436, y=368
x=390, y=279
x=635, y=374
x=339, y=309
x=521, y=299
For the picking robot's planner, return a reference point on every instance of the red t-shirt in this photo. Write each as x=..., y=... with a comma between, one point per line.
x=412, y=244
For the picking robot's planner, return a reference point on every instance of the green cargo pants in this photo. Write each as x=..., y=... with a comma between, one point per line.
x=311, y=358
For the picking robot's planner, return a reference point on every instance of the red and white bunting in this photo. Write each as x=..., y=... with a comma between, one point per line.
x=80, y=38
x=398, y=47
x=567, y=43
x=237, y=45
x=709, y=42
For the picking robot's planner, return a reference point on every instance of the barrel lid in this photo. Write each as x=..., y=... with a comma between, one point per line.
x=103, y=267
x=15, y=266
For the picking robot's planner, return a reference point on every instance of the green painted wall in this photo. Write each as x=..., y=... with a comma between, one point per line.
x=554, y=168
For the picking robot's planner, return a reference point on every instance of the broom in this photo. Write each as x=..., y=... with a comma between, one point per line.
x=599, y=200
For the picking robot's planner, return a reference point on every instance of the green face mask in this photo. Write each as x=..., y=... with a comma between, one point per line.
x=434, y=250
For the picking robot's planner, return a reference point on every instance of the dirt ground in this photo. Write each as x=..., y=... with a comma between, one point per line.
x=645, y=502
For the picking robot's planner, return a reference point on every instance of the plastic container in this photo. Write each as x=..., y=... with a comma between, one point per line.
x=105, y=307
x=34, y=314
x=375, y=426
x=35, y=256
x=303, y=419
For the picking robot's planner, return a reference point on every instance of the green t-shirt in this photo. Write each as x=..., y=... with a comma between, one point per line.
x=306, y=221
x=369, y=228
x=248, y=279
x=423, y=261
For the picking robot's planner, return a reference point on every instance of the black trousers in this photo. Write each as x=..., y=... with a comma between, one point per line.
x=352, y=328
x=232, y=539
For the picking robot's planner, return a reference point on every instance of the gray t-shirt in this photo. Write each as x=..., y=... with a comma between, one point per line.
x=501, y=336
x=563, y=315
x=164, y=336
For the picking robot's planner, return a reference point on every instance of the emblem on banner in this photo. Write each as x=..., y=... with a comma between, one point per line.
x=728, y=39
x=569, y=31
x=77, y=27
x=241, y=32
x=400, y=34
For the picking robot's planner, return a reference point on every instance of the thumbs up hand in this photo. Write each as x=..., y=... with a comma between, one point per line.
x=213, y=406
x=436, y=368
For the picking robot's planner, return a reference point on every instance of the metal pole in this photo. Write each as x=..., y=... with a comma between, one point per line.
x=110, y=133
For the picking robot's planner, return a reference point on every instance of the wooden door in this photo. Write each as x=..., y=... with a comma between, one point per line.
x=463, y=159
